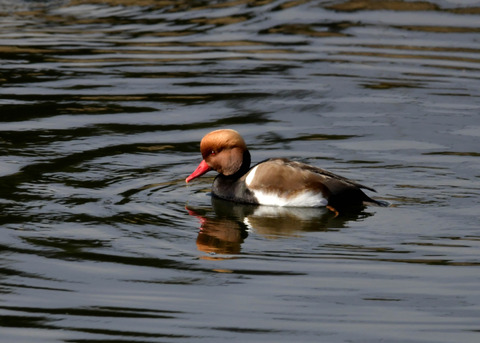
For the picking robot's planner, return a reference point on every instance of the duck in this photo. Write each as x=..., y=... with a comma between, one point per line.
x=275, y=181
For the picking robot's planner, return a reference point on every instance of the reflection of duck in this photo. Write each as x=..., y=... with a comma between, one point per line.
x=283, y=221
x=227, y=230
x=275, y=181
x=219, y=235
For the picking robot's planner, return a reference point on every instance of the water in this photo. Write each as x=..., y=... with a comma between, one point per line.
x=103, y=105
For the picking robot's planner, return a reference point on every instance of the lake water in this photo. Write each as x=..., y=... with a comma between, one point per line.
x=103, y=105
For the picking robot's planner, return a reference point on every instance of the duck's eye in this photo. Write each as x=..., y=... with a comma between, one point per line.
x=213, y=152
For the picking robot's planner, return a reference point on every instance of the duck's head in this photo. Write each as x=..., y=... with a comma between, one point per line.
x=222, y=151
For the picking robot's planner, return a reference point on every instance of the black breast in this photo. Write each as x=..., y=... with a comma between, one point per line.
x=233, y=189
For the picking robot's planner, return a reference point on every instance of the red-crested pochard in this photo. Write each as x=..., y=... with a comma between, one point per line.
x=277, y=181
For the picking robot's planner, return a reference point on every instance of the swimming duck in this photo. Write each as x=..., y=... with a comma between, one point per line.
x=276, y=181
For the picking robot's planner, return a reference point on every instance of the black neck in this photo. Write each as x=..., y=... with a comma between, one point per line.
x=231, y=188
x=244, y=168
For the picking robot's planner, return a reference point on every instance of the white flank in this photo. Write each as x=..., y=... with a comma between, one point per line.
x=305, y=199
x=250, y=176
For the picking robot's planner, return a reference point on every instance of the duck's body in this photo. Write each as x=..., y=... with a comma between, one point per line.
x=277, y=181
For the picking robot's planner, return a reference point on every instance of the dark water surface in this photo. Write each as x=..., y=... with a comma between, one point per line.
x=103, y=104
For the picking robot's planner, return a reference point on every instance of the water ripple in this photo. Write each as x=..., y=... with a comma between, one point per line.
x=102, y=107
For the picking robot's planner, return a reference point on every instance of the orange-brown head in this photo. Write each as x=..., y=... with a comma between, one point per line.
x=222, y=151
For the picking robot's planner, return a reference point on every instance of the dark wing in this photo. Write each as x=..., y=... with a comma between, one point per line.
x=327, y=176
x=283, y=176
x=326, y=173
